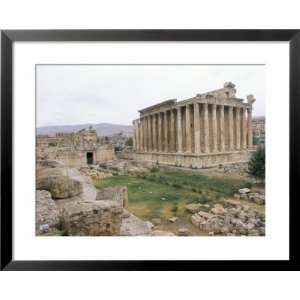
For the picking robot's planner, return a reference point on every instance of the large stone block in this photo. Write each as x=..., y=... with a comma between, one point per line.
x=118, y=194
x=60, y=187
x=47, y=214
x=58, y=182
x=92, y=218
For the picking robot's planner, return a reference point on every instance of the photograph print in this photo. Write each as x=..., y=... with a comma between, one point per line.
x=150, y=150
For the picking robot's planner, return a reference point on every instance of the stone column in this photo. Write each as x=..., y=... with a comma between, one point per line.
x=154, y=132
x=188, y=129
x=145, y=121
x=222, y=129
x=179, y=130
x=134, y=134
x=250, y=133
x=166, y=130
x=206, y=127
x=238, y=128
x=244, y=128
x=149, y=134
x=139, y=135
x=197, y=140
x=142, y=134
x=214, y=128
x=172, y=131
x=160, y=141
x=230, y=127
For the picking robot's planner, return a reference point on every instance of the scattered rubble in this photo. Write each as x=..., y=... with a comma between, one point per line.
x=256, y=195
x=193, y=207
x=235, y=219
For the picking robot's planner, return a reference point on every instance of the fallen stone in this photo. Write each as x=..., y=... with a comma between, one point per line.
x=60, y=187
x=193, y=207
x=196, y=219
x=58, y=182
x=244, y=196
x=205, y=215
x=218, y=209
x=173, y=219
x=244, y=191
x=183, y=232
x=260, y=199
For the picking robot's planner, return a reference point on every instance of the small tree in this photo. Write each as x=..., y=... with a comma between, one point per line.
x=129, y=142
x=256, y=166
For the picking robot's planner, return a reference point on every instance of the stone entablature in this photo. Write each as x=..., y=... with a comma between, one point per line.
x=214, y=122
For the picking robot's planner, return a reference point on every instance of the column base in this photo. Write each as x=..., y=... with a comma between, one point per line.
x=192, y=160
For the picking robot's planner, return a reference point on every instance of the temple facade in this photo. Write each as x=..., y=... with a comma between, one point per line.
x=204, y=131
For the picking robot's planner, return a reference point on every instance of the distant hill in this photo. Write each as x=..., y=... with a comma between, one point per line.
x=103, y=129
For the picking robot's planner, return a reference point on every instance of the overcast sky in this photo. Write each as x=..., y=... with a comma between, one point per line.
x=70, y=94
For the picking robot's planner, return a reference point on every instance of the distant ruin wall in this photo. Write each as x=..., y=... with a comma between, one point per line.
x=76, y=158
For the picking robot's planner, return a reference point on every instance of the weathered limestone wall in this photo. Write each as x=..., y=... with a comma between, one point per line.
x=208, y=124
x=76, y=158
x=104, y=154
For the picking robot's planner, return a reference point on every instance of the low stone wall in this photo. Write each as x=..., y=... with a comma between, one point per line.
x=195, y=161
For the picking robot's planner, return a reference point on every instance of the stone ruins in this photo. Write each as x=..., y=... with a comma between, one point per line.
x=74, y=149
x=204, y=131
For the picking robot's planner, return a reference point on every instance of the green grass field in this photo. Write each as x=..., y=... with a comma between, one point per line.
x=165, y=193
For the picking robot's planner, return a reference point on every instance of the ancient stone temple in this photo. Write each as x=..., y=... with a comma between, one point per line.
x=207, y=130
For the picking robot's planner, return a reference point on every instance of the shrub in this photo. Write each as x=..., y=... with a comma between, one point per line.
x=177, y=185
x=129, y=142
x=154, y=169
x=256, y=167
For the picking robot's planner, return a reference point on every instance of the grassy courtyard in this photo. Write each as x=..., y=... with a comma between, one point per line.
x=164, y=194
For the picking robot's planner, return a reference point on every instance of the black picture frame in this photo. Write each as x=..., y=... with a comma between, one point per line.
x=8, y=37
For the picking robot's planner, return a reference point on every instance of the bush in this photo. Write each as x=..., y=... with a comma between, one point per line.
x=154, y=169
x=256, y=166
x=129, y=142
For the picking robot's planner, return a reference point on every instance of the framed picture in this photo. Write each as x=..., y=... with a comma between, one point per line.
x=149, y=149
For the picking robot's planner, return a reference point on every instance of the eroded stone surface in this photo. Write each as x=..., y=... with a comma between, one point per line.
x=118, y=194
x=47, y=214
x=133, y=225
x=92, y=218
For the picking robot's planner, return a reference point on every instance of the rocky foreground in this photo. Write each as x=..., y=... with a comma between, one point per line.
x=67, y=203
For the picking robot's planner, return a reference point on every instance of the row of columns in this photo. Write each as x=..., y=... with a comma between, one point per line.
x=195, y=128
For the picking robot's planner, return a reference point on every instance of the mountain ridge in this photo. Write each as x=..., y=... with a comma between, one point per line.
x=103, y=129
